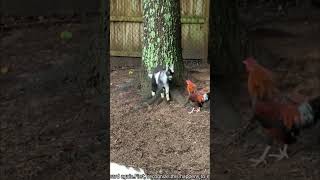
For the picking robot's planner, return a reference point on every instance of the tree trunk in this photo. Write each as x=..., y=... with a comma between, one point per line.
x=104, y=59
x=225, y=51
x=161, y=40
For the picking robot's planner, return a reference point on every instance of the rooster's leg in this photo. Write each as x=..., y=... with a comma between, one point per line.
x=283, y=153
x=198, y=109
x=262, y=158
x=191, y=111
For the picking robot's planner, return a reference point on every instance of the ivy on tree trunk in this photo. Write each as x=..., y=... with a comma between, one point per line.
x=161, y=39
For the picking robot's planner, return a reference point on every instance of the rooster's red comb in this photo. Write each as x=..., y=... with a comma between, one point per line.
x=249, y=60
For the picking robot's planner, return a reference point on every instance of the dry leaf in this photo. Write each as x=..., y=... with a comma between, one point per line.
x=4, y=70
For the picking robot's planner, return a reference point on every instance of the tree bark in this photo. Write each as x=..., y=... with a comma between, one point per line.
x=161, y=40
x=104, y=57
x=225, y=50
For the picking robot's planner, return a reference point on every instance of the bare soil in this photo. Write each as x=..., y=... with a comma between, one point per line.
x=48, y=130
x=161, y=139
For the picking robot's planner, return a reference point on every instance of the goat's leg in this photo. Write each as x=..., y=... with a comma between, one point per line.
x=166, y=86
x=162, y=95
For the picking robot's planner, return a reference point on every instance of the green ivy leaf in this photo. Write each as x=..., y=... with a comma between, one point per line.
x=66, y=35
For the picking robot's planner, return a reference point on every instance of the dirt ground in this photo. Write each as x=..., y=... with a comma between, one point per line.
x=48, y=130
x=294, y=44
x=163, y=139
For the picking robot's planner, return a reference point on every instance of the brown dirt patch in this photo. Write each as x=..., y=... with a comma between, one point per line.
x=48, y=131
x=163, y=139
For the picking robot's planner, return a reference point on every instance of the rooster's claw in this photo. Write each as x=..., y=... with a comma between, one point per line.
x=256, y=162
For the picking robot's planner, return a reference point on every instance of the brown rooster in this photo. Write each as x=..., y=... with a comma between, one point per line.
x=191, y=87
x=260, y=80
x=283, y=122
x=197, y=97
x=262, y=86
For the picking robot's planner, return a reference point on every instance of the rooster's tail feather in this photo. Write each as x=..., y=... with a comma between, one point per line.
x=310, y=112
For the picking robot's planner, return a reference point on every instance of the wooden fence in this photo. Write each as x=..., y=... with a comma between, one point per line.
x=126, y=28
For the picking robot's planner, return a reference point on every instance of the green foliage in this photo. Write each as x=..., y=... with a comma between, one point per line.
x=66, y=35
